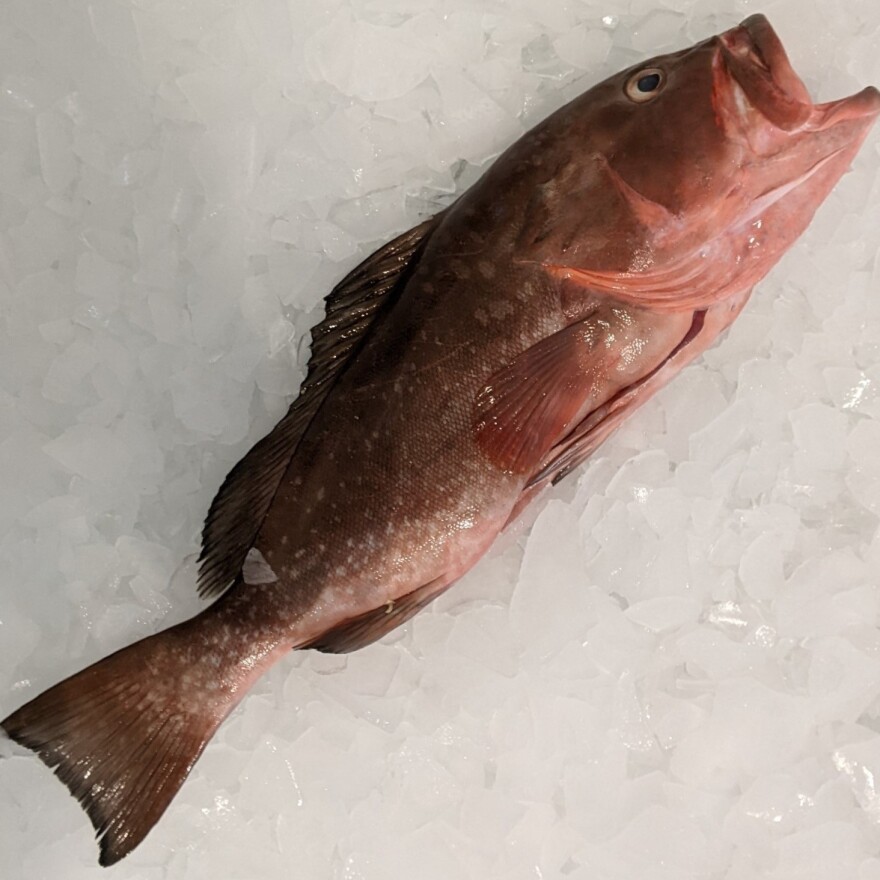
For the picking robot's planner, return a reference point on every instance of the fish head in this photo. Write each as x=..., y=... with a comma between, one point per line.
x=697, y=167
x=792, y=151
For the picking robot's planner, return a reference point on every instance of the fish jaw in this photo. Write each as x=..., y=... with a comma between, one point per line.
x=760, y=99
x=753, y=55
x=793, y=151
x=638, y=211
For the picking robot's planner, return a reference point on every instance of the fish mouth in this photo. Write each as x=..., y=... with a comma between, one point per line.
x=754, y=58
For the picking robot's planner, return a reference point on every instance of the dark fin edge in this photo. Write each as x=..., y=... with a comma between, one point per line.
x=358, y=632
x=239, y=508
x=122, y=747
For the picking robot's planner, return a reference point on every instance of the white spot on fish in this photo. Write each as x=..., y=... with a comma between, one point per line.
x=500, y=310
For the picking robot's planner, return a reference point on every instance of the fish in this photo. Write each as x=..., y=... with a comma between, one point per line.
x=459, y=370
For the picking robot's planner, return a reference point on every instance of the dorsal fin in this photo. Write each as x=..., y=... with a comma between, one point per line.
x=239, y=508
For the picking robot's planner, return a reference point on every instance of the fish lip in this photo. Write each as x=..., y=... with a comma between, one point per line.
x=755, y=58
x=764, y=42
x=863, y=106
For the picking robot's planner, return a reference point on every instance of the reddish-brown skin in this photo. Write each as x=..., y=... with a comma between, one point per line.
x=601, y=253
x=390, y=488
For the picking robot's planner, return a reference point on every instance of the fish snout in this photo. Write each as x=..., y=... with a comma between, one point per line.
x=864, y=105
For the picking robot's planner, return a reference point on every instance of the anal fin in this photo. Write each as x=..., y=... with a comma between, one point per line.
x=358, y=632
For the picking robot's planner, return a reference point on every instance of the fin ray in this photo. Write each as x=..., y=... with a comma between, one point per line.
x=120, y=742
x=241, y=504
x=358, y=632
x=527, y=405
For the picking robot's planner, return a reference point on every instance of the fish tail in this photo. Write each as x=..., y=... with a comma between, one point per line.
x=124, y=733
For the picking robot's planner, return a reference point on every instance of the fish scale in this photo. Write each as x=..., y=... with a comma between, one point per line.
x=458, y=371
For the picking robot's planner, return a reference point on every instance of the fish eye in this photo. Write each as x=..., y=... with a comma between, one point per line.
x=644, y=85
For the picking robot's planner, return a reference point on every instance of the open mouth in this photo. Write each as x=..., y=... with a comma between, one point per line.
x=755, y=59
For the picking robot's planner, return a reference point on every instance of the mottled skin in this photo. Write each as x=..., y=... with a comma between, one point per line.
x=600, y=254
x=389, y=489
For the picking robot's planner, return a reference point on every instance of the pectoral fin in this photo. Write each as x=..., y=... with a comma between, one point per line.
x=529, y=404
x=604, y=419
x=552, y=393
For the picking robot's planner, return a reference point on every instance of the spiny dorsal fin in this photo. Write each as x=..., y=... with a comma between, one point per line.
x=240, y=506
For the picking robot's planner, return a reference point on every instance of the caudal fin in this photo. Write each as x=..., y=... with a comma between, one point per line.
x=124, y=733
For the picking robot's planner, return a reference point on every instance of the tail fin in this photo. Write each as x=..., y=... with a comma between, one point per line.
x=124, y=733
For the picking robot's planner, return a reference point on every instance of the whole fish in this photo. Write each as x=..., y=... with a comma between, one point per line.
x=459, y=370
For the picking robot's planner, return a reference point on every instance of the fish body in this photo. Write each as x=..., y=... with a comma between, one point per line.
x=459, y=370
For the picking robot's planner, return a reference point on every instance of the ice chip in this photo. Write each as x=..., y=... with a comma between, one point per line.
x=64, y=378
x=863, y=480
x=859, y=764
x=820, y=437
x=336, y=243
x=544, y=622
x=344, y=53
x=832, y=847
x=843, y=680
x=268, y=781
x=761, y=568
x=664, y=612
x=583, y=47
x=658, y=29
x=205, y=401
x=55, y=144
x=92, y=452
x=662, y=836
x=468, y=114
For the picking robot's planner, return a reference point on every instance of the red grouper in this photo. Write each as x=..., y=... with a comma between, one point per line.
x=460, y=369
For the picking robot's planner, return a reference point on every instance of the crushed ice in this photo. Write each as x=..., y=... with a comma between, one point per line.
x=676, y=674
